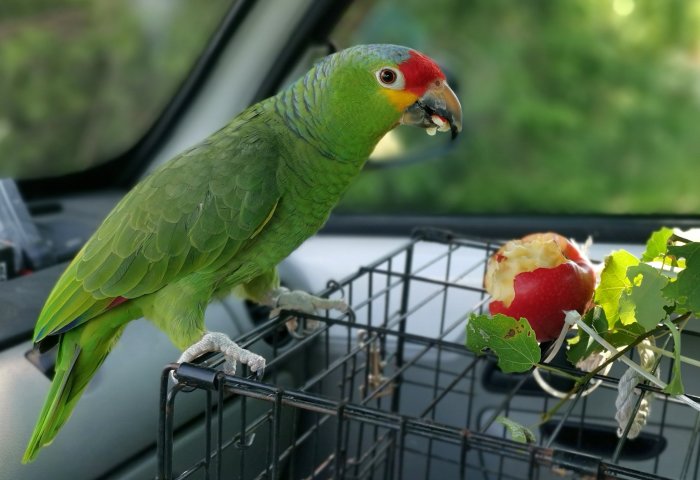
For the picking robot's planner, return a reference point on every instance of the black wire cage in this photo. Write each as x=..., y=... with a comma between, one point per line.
x=389, y=391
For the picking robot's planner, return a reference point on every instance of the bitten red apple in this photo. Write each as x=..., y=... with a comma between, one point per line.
x=539, y=277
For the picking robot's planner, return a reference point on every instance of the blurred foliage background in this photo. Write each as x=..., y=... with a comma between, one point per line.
x=82, y=80
x=576, y=106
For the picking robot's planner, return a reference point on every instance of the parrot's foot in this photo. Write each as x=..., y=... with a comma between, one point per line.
x=220, y=342
x=284, y=299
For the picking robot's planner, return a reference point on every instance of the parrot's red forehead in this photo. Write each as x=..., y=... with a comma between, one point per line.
x=419, y=71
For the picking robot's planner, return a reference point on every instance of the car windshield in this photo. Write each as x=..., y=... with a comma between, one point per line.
x=81, y=81
x=583, y=106
x=578, y=107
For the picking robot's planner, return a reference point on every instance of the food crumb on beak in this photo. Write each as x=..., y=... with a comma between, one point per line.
x=437, y=120
x=431, y=131
x=441, y=124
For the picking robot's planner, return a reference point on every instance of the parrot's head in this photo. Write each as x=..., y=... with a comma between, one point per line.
x=398, y=85
x=417, y=89
x=351, y=99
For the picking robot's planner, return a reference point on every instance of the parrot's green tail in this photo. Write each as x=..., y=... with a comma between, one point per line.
x=81, y=351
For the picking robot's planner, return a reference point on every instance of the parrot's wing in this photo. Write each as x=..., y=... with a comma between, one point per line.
x=191, y=214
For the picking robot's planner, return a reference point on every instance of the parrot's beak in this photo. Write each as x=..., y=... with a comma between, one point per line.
x=437, y=110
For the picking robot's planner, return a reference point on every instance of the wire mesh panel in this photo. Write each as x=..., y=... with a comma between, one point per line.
x=391, y=392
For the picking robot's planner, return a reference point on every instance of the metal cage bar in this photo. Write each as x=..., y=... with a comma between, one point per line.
x=391, y=392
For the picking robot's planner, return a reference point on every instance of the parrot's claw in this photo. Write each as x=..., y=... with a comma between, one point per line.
x=310, y=326
x=300, y=301
x=220, y=342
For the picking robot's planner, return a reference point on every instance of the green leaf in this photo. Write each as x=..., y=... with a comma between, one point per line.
x=624, y=334
x=686, y=289
x=513, y=341
x=626, y=309
x=675, y=386
x=645, y=297
x=613, y=282
x=518, y=432
x=582, y=346
x=657, y=244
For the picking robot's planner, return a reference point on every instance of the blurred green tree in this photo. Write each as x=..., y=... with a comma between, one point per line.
x=583, y=106
x=82, y=80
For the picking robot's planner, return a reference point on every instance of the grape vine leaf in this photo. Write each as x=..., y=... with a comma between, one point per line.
x=624, y=334
x=626, y=308
x=582, y=345
x=518, y=432
x=685, y=290
x=513, y=341
x=675, y=386
x=613, y=282
x=644, y=302
x=657, y=244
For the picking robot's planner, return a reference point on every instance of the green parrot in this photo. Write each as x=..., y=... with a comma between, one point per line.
x=220, y=216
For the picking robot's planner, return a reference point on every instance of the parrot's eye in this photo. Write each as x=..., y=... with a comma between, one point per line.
x=390, y=77
x=387, y=76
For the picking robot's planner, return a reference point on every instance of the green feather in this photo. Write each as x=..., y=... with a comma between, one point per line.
x=175, y=266
x=102, y=272
x=149, y=282
x=85, y=265
x=127, y=241
x=151, y=250
x=81, y=351
x=127, y=276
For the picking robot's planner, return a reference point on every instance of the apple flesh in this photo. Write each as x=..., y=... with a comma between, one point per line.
x=538, y=278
